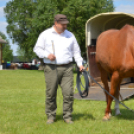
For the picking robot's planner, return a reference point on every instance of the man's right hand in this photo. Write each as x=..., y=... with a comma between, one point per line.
x=51, y=57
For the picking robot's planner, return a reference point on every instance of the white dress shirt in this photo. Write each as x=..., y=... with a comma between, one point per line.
x=65, y=47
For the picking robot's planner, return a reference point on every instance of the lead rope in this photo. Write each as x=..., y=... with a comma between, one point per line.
x=110, y=94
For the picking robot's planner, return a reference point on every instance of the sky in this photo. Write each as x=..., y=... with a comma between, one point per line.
x=126, y=6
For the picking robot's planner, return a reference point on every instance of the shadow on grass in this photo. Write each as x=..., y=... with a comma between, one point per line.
x=125, y=114
x=83, y=116
x=77, y=117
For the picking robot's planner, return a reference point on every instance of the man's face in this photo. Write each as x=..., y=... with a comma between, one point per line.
x=60, y=27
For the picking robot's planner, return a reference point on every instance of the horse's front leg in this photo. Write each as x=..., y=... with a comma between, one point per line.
x=116, y=107
x=115, y=81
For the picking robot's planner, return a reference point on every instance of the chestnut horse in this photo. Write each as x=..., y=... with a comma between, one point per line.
x=115, y=57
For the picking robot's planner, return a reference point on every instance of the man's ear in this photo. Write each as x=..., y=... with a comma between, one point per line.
x=55, y=23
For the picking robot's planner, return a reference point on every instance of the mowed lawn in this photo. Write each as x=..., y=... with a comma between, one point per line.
x=22, y=109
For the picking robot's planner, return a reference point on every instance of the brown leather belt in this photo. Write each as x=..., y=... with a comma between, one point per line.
x=60, y=65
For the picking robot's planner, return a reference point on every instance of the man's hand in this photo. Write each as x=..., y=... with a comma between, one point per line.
x=51, y=57
x=81, y=68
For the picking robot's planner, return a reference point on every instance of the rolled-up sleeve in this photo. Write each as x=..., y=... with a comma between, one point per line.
x=77, y=53
x=39, y=47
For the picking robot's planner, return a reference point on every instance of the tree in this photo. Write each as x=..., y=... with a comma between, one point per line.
x=19, y=16
x=78, y=12
x=27, y=19
x=7, y=52
x=22, y=56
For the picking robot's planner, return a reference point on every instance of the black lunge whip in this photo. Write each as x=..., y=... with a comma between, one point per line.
x=80, y=84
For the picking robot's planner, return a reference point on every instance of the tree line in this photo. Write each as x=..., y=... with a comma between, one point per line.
x=28, y=18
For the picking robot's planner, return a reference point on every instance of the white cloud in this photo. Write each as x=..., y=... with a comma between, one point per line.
x=1, y=12
x=3, y=25
x=4, y=0
x=125, y=8
x=14, y=48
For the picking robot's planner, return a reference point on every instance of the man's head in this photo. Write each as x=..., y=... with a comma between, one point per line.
x=60, y=22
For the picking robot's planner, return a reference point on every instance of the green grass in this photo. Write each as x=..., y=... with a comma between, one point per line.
x=22, y=109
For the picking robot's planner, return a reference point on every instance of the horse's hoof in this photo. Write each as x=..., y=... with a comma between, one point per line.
x=117, y=114
x=106, y=118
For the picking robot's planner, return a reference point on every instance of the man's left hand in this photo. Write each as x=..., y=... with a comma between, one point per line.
x=81, y=68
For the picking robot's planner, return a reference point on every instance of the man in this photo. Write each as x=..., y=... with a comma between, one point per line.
x=57, y=46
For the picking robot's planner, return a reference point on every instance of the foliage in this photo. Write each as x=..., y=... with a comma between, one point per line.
x=19, y=16
x=7, y=52
x=78, y=13
x=27, y=19
x=22, y=55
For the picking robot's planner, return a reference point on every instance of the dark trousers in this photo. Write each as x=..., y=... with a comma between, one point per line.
x=65, y=80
